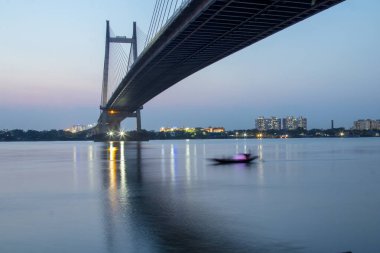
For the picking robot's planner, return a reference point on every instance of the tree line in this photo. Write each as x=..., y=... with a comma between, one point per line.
x=198, y=133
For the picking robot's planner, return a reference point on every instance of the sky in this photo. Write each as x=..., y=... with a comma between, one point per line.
x=324, y=68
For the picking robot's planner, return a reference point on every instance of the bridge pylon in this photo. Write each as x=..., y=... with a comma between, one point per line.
x=111, y=117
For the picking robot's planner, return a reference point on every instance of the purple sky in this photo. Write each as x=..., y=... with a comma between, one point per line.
x=324, y=68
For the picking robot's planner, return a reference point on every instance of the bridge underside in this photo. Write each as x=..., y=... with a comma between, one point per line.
x=203, y=33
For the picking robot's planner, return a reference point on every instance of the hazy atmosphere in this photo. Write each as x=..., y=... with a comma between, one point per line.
x=247, y=155
x=323, y=68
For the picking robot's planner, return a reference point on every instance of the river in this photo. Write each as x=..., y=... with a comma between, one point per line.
x=300, y=195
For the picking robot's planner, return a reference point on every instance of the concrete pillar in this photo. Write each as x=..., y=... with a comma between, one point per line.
x=105, y=128
x=138, y=120
x=114, y=126
x=106, y=66
x=134, y=44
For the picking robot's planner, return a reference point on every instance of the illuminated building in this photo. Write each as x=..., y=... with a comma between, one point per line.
x=260, y=123
x=292, y=123
x=214, y=129
x=302, y=122
x=275, y=123
x=192, y=129
x=272, y=123
x=175, y=129
x=289, y=123
x=367, y=124
x=79, y=128
x=166, y=129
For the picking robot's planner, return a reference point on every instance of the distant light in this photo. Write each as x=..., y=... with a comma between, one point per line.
x=121, y=133
x=110, y=133
x=341, y=134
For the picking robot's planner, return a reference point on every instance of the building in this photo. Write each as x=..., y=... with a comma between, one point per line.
x=293, y=123
x=214, y=129
x=167, y=129
x=289, y=123
x=275, y=123
x=302, y=122
x=377, y=124
x=177, y=129
x=366, y=124
x=264, y=124
x=260, y=123
x=79, y=128
x=192, y=129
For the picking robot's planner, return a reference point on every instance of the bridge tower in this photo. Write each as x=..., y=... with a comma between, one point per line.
x=109, y=122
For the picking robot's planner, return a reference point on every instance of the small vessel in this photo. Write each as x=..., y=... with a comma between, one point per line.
x=239, y=158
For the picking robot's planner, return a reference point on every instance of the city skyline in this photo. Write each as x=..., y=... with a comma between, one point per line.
x=324, y=68
x=261, y=123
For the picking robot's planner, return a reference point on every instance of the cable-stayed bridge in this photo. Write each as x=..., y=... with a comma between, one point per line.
x=184, y=37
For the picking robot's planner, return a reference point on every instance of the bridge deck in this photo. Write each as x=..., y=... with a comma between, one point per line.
x=205, y=32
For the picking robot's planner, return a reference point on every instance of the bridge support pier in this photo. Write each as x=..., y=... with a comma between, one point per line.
x=138, y=121
x=109, y=128
x=113, y=127
x=106, y=129
x=138, y=135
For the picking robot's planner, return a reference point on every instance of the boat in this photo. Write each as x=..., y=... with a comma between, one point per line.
x=239, y=158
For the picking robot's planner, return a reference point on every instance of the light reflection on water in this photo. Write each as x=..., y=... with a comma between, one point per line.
x=306, y=195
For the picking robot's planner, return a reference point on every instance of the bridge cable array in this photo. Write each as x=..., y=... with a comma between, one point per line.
x=119, y=64
x=121, y=54
x=141, y=38
x=163, y=12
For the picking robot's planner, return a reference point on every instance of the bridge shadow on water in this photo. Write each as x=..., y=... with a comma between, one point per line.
x=143, y=213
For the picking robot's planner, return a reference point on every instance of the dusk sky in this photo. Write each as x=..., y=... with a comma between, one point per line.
x=323, y=68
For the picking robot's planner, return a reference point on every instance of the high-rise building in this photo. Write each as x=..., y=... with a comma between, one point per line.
x=260, y=123
x=292, y=123
x=302, y=122
x=289, y=123
x=275, y=123
x=367, y=124
x=272, y=123
x=377, y=125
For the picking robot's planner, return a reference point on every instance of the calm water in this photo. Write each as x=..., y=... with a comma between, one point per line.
x=302, y=195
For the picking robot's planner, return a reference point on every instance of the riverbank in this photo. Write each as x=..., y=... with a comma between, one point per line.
x=61, y=135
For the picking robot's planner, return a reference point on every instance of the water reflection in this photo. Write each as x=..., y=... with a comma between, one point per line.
x=90, y=158
x=75, y=169
x=141, y=212
x=120, y=197
x=123, y=176
x=172, y=162
x=188, y=162
x=163, y=163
